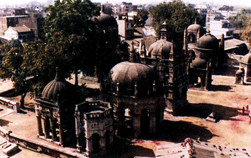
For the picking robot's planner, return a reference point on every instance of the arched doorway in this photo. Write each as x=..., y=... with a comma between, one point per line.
x=128, y=123
x=95, y=143
x=145, y=122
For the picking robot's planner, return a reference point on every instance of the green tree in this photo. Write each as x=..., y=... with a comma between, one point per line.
x=70, y=29
x=177, y=16
x=11, y=67
x=140, y=19
x=239, y=20
x=246, y=30
x=40, y=62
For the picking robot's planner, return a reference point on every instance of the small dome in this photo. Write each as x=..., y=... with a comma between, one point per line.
x=127, y=73
x=160, y=48
x=57, y=87
x=208, y=42
x=194, y=27
x=199, y=63
x=107, y=20
x=246, y=59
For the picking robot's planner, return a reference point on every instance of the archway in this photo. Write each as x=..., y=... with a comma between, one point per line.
x=145, y=122
x=95, y=143
x=128, y=122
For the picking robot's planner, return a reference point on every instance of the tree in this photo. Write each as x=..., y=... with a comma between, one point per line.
x=177, y=16
x=40, y=63
x=239, y=20
x=70, y=29
x=11, y=67
x=140, y=19
x=246, y=33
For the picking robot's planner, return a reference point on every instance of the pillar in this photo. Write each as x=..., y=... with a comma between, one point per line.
x=39, y=125
x=61, y=141
x=78, y=131
x=53, y=130
x=46, y=132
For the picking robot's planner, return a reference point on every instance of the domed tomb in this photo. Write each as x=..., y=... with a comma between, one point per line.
x=208, y=42
x=58, y=86
x=125, y=77
x=107, y=20
x=161, y=49
x=194, y=28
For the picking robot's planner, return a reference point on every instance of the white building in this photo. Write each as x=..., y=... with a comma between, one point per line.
x=220, y=27
x=22, y=33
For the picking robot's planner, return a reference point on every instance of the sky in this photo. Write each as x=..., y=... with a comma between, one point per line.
x=243, y=3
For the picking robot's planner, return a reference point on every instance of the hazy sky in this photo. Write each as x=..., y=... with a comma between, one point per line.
x=243, y=3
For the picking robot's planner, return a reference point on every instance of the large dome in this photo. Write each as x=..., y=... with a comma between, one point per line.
x=208, y=42
x=194, y=27
x=127, y=73
x=56, y=87
x=160, y=48
x=107, y=20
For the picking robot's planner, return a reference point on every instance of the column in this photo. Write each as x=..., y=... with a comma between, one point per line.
x=46, y=132
x=60, y=133
x=39, y=125
x=53, y=130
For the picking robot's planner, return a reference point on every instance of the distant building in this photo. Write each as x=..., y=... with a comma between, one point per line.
x=127, y=7
x=202, y=9
x=32, y=21
x=21, y=33
x=220, y=27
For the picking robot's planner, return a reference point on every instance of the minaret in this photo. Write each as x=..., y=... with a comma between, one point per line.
x=185, y=43
x=132, y=55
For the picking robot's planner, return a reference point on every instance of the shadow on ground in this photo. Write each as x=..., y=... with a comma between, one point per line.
x=123, y=148
x=202, y=110
x=226, y=71
x=4, y=122
x=178, y=131
x=221, y=88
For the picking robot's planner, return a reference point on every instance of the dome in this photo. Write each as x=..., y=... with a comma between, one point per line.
x=57, y=87
x=208, y=42
x=199, y=63
x=246, y=59
x=127, y=73
x=160, y=48
x=107, y=20
x=194, y=27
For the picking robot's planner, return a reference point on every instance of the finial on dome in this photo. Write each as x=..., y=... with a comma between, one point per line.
x=208, y=32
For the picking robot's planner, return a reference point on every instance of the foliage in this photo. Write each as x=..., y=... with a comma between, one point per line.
x=11, y=66
x=177, y=16
x=227, y=8
x=239, y=20
x=70, y=29
x=140, y=19
x=246, y=33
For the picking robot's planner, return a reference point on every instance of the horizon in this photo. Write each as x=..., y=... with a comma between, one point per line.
x=240, y=3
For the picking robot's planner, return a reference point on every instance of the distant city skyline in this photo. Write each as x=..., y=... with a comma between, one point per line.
x=242, y=3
